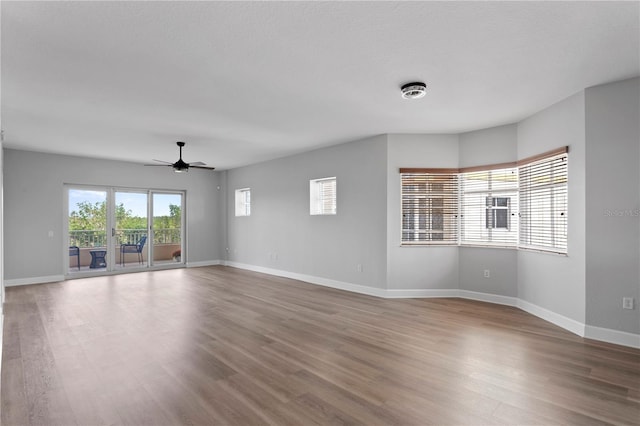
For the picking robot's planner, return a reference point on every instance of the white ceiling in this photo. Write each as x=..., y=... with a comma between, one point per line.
x=243, y=82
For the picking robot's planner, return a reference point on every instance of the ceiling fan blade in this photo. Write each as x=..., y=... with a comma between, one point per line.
x=198, y=163
x=201, y=167
x=162, y=161
x=159, y=165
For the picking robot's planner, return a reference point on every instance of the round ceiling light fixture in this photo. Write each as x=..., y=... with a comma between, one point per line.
x=415, y=90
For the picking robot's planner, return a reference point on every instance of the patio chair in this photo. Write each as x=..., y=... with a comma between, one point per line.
x=133, y=248
x=75, y=251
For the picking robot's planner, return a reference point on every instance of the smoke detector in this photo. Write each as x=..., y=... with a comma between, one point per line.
x=414, y=90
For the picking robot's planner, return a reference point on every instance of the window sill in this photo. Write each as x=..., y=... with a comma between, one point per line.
x=543, y=251
x=428, y=245
x=524, y=249
x=495, y=246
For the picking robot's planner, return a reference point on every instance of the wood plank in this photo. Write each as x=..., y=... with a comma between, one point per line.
x=14, y=399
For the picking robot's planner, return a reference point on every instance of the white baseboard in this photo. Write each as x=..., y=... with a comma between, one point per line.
x=33, y=280
x=56, y=278
x=560, y=320
x=1, y=334
x=410, y=293
x=487, y=297
x=613, y=336
x=340, y=285
x=204, y=263
x=588, y=331
x=575, y=327
x=380, y=292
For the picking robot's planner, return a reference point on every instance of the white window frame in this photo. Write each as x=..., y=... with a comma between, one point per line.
x=478, y=191
x=243, y=202
x=492, y=209
x=323, y=194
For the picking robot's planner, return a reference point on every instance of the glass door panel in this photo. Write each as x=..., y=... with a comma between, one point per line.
x=87, y=231
x=167, y=228
x=130, y=231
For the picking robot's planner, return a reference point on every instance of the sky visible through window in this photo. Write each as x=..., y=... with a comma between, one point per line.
x=136, y=202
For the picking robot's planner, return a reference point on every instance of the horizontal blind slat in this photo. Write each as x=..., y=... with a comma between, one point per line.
x=543, y=204
x=429, y=208
x=489, y=202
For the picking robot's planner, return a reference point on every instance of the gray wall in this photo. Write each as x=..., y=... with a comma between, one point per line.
x=1, y=234
x=33, y=206
x=417, y=267
x=482, y=147
x=281, y=234
x=489, y=146
x=503, y=267
x=222, y=224
x=613, y=202
x=554, y=282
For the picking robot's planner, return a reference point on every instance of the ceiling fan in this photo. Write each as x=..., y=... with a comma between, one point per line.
x=180, y=165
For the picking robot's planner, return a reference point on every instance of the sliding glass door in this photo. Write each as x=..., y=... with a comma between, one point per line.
x=130, y=231
x=114, y=229
x=167, y=228
x=87, y=230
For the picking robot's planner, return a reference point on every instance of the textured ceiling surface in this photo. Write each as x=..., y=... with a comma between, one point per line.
x=243, y=82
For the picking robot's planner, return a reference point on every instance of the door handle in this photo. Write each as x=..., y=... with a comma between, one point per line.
x=113, y=232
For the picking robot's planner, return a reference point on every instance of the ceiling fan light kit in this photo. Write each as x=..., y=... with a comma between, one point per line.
x=181, y=166
x=178, y=168
x=415, y=90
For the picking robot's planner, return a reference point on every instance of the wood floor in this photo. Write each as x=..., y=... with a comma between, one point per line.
x=218, y=345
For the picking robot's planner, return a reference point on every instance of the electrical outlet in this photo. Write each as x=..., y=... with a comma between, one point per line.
x=359, y=267
x=627, y=303
x=487, y=273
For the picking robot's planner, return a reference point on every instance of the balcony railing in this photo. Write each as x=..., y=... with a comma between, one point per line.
x=98, y=238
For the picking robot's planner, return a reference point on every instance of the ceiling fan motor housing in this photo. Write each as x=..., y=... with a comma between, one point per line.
x=180, y=166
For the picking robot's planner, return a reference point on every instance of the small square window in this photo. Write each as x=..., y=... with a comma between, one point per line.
x=322, y=196
x=243, y=202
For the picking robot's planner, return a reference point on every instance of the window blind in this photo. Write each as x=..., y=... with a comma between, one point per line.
x=543, y=187
x=429, y=208
x=323, y=196
x=489, y=206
